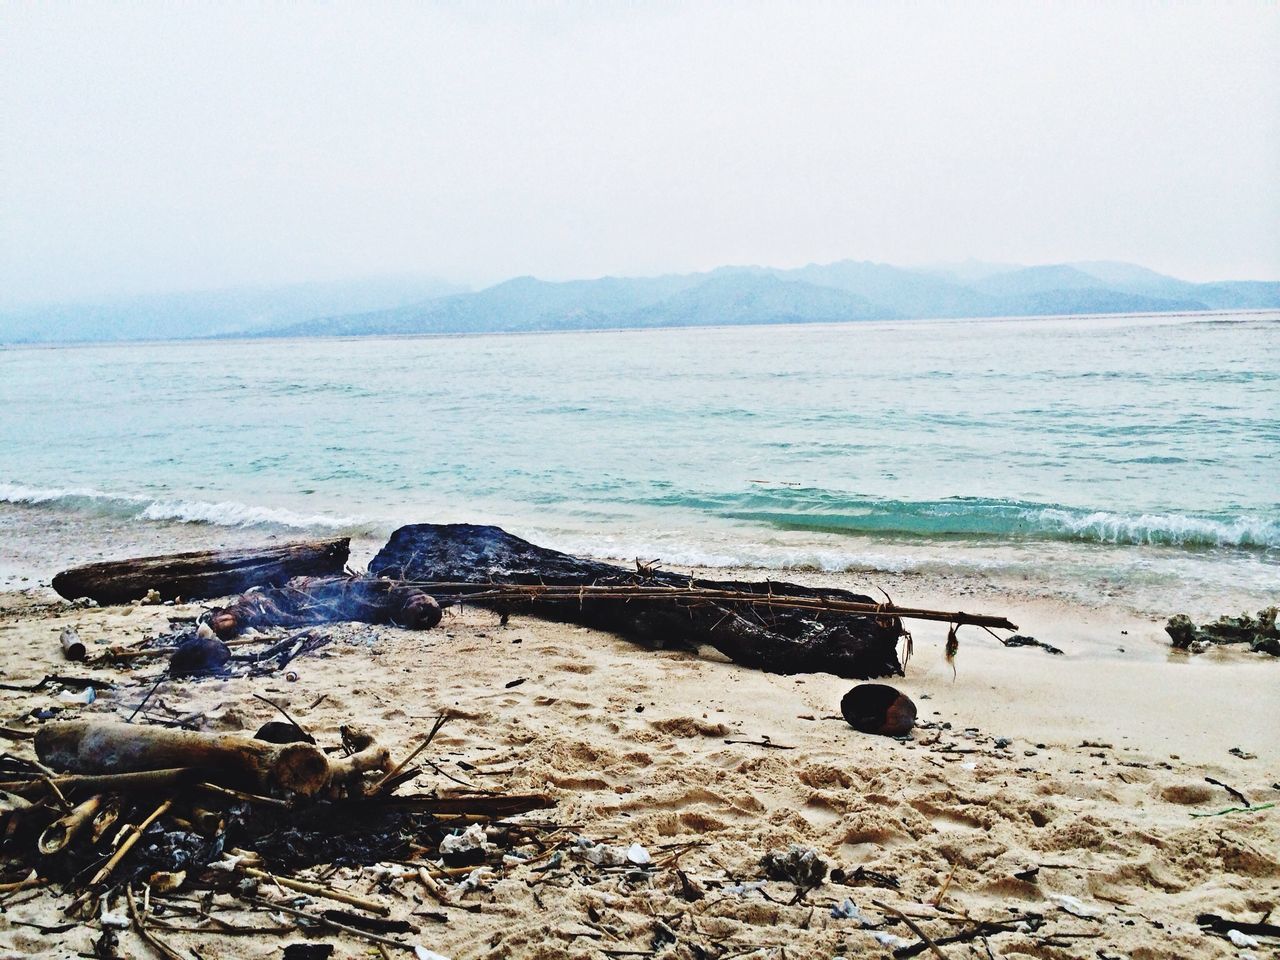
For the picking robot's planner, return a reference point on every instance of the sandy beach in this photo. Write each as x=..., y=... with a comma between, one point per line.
x=1062, y=798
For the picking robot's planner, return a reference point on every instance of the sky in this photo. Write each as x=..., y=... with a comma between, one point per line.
x=149, y=147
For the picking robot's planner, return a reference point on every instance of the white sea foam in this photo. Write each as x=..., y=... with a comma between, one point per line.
x=225, y=513
x=229, y=513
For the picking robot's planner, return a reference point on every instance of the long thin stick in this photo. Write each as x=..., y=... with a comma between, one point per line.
x=150, y=938
x=498, y=592
x=914, y=927
x=325, y=921
x=108, y=782
x=318, y=890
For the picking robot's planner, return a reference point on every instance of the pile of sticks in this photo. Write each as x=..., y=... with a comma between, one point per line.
x=110, y=806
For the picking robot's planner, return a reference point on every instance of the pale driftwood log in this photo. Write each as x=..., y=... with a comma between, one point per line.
x=96, y=747
x=367, y=758
x=203, y=574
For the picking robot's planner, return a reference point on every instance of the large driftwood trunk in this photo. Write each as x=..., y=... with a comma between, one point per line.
x=778, y=640
x=204, y=574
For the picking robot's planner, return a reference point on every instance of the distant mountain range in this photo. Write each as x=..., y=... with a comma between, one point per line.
x=240, y=311
x=834, y=292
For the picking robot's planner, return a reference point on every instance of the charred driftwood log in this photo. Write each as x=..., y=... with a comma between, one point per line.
x=204, y=574
x=778, y=640
x=105, y=747
x=304, y=601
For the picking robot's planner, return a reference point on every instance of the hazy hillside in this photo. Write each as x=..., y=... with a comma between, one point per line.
x=905, y=293
x=750, y=298
x=843, y=291
x=211, y=313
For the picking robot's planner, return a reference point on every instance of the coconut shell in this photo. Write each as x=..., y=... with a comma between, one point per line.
x=880, y=709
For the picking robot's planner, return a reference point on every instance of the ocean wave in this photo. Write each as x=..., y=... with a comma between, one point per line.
x=824, y=511
x=223, y=513
x=1173, y=529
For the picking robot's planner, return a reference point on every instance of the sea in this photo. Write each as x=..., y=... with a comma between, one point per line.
x=1078, y=453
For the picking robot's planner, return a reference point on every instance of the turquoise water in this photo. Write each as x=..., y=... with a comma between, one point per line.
x=1115, y=447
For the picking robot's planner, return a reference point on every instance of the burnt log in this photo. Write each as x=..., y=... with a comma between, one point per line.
x=203, y=574
x=779, y=640
x=305, y=601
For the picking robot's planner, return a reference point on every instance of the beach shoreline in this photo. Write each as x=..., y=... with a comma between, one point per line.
x=1083, y=768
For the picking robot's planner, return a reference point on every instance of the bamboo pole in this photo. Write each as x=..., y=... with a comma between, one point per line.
x=499, y=592
x=127, y=844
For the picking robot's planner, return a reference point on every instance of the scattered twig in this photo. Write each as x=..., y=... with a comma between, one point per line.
x=762, y=743
x=912, y=926
x=382, y=784
x=1236, y=794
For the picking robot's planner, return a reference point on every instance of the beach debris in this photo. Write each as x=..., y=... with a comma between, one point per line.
x=1254, y=808
x=308, y=951
x=189, y=829
x=1261, y=633
x=880, y=709
x=780, y=627
x=1021, y=640
x=890, y=940
x=606, y=855
x=1235, y=794
x=201, y=574
x=86, y=696
x=798, y=865
x=464, y=849
x=200, y=654
x=1073, y=905
x=848, y=910
x=1223, y=925
x=638, y=856
x=73, y=647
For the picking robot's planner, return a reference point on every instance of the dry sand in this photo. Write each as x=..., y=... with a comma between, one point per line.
x=1087, y=809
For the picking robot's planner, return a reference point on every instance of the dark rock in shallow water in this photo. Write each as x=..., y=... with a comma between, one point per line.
x=770, y=638
x=879, y=708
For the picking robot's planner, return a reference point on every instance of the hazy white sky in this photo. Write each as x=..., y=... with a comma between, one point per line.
x=176, y=145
